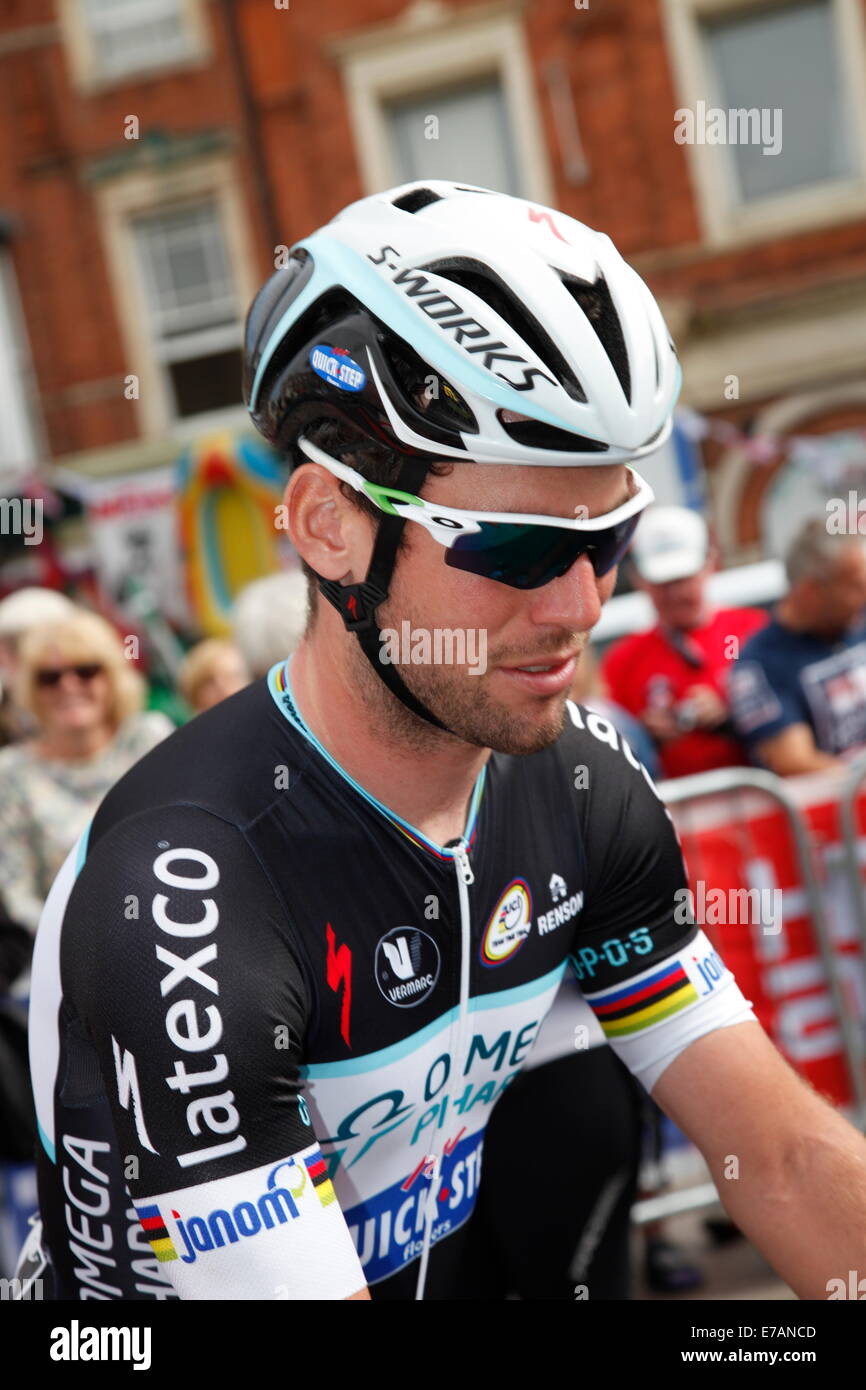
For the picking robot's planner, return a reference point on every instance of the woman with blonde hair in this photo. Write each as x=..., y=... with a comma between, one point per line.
x=87, y=701
x=210, y=672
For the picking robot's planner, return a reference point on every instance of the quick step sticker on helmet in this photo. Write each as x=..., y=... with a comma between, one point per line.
x=334, y=364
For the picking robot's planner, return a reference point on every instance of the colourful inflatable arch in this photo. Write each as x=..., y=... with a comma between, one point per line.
x=228, y=486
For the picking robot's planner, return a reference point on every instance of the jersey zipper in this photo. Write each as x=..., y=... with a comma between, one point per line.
x=465, y=877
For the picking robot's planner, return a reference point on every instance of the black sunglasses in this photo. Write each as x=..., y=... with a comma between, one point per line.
x=52, y=675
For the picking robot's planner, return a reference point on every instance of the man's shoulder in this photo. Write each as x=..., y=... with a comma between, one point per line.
x=742, y=620
x=771, y=640
x=624, y=651
x=623, y=659
x=226, y=761
x=593, y=754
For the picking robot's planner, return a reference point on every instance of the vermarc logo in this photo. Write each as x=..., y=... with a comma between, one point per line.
x=407, y=966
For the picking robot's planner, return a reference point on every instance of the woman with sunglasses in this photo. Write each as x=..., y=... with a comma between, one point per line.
x=87, y=701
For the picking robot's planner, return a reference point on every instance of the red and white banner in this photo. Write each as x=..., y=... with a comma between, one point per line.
x=743, y=841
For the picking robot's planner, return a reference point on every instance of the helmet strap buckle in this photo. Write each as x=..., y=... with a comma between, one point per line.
x=356, y=603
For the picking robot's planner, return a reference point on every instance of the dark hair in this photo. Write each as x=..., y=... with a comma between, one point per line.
x=379, y=464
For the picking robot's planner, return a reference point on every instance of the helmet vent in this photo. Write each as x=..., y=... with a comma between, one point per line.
x=597, y=305
x=416, y=199
x=481, y=281
x=535, y=434
x=425, y=391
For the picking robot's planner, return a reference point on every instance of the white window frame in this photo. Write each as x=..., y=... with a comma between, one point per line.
x=118, y=203
x=434, y=45
x=88, y=75
x=22, y=435
x=197, y=342
x=724, y=222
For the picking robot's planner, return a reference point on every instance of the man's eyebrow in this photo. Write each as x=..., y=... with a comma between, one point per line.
x=632, y=490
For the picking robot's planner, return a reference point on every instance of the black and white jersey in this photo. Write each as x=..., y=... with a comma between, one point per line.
x=270, y=1018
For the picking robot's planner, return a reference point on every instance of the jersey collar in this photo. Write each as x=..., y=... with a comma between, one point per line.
x=280, y=687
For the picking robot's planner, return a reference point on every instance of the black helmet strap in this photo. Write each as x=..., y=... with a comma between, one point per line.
x=357, y=603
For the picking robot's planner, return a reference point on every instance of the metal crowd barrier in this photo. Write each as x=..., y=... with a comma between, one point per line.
x=848, y=817
x=686, y=791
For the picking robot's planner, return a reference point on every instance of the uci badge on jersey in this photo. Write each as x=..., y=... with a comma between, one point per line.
x=334, y=364
x=509, y=925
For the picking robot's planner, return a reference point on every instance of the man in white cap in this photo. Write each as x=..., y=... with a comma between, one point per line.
x=19, y=612
x=672, y=678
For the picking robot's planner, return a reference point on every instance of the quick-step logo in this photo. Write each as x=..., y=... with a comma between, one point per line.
x=334, y=364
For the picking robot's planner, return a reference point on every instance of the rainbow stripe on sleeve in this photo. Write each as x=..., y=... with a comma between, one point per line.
x=643, y=1002
x=157, y=1235
x=318, y=1171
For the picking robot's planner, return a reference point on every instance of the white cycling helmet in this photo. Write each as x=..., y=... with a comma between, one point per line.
x=450, y=321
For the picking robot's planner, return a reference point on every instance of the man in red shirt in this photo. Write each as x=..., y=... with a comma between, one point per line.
x=672, y=677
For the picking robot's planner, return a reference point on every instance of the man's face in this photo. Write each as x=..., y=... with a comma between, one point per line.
x=502, y=708
x=679, y=603
x=841, y=598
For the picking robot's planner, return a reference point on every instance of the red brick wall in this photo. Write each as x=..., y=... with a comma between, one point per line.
x=638, y=192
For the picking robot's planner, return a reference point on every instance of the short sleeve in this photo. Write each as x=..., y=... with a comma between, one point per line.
x=763, y=701
x=179, y=971
x=647, y=970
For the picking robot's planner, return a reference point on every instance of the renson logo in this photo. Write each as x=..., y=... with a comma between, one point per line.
x=453, y=318
x=194, y=1025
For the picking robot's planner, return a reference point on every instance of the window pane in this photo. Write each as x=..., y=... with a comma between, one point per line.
x=207, y=383
x=459, y=133
x=185, y=270
x=783, y=58
x=129, y=34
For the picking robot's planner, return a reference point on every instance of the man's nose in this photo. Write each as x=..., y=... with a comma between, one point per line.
x=571, y=601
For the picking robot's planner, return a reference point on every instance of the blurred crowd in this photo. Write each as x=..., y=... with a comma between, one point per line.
x=703, y=688
x=74, y=717
x=710, y=687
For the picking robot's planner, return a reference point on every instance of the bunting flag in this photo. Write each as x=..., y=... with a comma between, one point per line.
x=836, y=458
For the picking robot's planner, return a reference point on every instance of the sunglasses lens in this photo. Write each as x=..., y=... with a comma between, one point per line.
x=528, y=556
x=53, y=675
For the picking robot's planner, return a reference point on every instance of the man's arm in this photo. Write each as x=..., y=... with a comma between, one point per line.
x=800, y=1190
x=793, y=751
x=197, y=1009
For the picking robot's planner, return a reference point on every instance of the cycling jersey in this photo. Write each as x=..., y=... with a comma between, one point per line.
x=269, y=1017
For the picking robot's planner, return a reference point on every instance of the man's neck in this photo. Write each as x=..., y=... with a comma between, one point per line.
x=427, y=780
x=790, y=616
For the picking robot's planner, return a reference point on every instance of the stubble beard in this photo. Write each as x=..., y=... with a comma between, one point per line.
x=461, y=701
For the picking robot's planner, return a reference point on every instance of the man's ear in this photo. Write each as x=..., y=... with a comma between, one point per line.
x=327, y=530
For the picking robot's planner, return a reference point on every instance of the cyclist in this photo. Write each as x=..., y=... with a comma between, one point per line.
x=308, y=940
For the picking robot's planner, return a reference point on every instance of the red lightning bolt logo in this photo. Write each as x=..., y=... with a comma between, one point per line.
x=339, y=972
x=535, y=215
